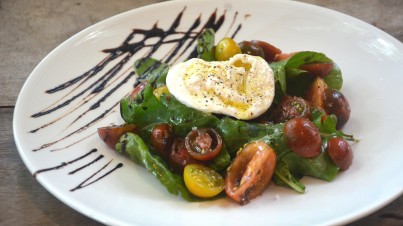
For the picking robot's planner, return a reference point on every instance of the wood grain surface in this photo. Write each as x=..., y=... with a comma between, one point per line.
x=30, y=29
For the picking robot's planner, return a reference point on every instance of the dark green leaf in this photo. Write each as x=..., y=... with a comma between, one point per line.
x=205, y=45
x=184, y=118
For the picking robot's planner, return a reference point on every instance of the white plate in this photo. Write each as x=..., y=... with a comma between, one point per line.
x=371, y=61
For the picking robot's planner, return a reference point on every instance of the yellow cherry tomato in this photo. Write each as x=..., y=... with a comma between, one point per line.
x=203, y=181
x=226, y=48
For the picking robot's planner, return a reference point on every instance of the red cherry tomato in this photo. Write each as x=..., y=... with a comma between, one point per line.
x=340, y=152
x=111, y=134
x=180, y=157
x=203, y=144
x=250, y=172
x=302, y=137
x=336, y=103
x=162, y=139
x=318, y=69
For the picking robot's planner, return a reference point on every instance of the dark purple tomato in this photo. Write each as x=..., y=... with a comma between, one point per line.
x=250, y=48
x=203, y=144
x=291, y=107
x=270, y=51
x=302, y=137
x=340, y=152
x=335, y=103
x=180, y=157
x=162, y=139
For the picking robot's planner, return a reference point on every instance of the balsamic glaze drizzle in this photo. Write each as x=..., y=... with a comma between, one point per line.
x=85, y=91
x=82, y=184
x=63, y=164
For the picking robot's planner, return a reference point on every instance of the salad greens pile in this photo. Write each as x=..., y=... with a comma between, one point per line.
x=146, y=110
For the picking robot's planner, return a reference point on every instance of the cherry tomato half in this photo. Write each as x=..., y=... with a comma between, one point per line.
x=291, y=107
x=179, y=157
x=203, y=144
x=250, y=172
x=111, y=134
x=203, y=181
x=340, y=152
x=302, y=137
x=315, y=93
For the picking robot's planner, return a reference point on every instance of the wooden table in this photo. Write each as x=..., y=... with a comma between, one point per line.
x=30, y=29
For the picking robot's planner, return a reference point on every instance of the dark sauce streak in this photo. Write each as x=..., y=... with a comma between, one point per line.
x=109, y=75
x=103, y=98
x=86, y=165
x=211, y=23
x=233, y=22
x=236, y=31
x=63, y=164
x=82, y=185
x=73, y=143
x=93, y=71
x=78, y=130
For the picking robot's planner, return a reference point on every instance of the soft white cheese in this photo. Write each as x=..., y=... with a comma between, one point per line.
x=242, y=87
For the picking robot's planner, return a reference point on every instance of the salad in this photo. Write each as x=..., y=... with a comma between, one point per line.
x=234, y=119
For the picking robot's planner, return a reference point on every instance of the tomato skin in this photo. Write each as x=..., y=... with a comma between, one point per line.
x=336, y=103
x=247, y=47
x=203, y=144
x=179, y=157
x=318, y=69
x=162, y=139
x=302, y=137
x=202, y=181
x=250, y=172
x=291, y=107
x=315, y=93
x=226, y=48
x=270, y=51
x=340, y=152
x=111, y=134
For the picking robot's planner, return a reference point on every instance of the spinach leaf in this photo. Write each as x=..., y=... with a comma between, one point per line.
x=151, y=70
x=320, y=167
x=283, y=177
x=138, y=152
x=327, y=127
x=222, y=161
x=184, y=118
x=290, y=80
x=334, y=79
x=144, y=109
x=205, y=45
x=236, y=133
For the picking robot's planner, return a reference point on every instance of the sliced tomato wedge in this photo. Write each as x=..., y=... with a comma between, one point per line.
x=318, y=69
x=203, y=144
x=250, y=172
x=111, y=134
